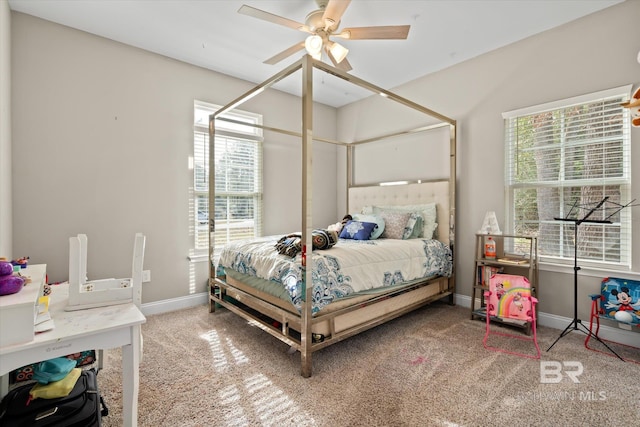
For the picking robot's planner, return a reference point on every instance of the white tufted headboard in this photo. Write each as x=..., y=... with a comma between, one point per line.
x=406, y=194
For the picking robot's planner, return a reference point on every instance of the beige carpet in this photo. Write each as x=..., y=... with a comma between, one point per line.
x=428, y=368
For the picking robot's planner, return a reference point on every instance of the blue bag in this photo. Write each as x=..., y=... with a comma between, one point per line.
x=53, y=370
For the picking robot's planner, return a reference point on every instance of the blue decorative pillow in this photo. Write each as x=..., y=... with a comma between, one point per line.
x=377, y=231
x=357, y=230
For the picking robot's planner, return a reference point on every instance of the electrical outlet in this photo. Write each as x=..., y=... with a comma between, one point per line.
x=146, y=276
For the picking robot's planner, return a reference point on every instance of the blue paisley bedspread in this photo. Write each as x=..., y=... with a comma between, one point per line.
x=351, y=266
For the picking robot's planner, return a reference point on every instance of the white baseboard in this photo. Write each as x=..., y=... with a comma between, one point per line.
x=173, y=304
x=611, y=333
x=544, y=319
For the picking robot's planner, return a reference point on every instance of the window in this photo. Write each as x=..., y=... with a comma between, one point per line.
x=562, y=160
x=238, y=176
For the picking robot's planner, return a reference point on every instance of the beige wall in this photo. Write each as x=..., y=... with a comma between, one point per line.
x=102, y=135
x=587, y=55
x=6, y=239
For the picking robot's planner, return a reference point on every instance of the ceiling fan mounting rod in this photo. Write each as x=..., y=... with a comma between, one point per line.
x=324, y=35
x=316, y=22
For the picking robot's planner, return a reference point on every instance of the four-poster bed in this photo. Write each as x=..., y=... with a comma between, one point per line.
x=312, y=316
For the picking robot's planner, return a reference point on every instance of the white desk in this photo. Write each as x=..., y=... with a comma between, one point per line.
x=96, y=328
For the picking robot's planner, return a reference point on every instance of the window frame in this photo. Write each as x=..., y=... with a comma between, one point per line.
x=563, y=260
x=230, y=126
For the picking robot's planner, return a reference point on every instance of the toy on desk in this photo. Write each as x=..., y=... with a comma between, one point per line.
x=6, y=269
x=99, y=293
x=21, y=262
x=9, y=282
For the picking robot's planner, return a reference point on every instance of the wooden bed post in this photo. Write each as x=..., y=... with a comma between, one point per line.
x=307, y=267
x=349, y=173
x=212, y=209
x=452, y=207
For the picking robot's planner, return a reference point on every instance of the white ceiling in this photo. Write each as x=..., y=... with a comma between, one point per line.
x=211, y=34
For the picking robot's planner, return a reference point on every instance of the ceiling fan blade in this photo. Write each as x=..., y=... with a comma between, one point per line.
x=275, y=19
x=344, y=65
x=335, y=9
x=369, y=33
x=285, y=54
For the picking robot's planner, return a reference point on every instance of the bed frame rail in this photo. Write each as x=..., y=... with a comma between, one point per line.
x=264, y=314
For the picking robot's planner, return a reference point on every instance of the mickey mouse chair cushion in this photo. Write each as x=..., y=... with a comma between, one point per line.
x=634, y=106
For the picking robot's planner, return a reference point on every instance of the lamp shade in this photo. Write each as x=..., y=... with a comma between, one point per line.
x=338, y=51
x=313, y=44
x=490, y=224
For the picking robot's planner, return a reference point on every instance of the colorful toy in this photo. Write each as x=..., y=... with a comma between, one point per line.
x=22, y=262
x=9, y=283
x=634, y=106
x=5, y=268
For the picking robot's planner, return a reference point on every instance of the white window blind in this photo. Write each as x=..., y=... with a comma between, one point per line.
x=562, y=160
x=238, y=177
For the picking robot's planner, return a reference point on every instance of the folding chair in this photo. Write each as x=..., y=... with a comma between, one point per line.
x=509, y=301
x=618, y=301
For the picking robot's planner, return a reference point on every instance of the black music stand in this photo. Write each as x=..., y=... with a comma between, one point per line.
x=573, y=326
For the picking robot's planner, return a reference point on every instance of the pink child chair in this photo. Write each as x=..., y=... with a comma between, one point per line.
x=509, y=301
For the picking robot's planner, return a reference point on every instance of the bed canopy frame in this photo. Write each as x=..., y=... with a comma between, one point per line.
x=307, y=64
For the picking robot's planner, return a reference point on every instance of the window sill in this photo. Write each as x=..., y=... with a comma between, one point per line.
x=588, y=271
x=198, y=258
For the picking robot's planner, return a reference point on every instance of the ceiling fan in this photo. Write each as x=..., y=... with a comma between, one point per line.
x=322, y=24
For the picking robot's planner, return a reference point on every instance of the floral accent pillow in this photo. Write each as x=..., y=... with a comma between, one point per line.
x=357, y=230
x=413, y=224
x=377, y=231
x=395, y=224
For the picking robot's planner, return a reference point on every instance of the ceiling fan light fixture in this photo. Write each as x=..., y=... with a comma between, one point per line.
x=321, y=25
x=338, y=51
x=313, y=44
